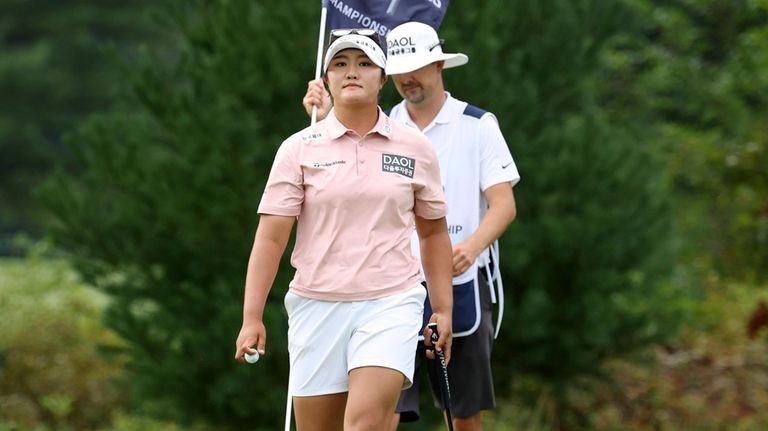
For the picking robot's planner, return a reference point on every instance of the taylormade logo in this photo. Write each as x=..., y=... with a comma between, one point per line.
x=402, y=165
x=328, y=164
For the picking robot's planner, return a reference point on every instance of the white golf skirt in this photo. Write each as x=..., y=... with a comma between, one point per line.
x=328, y=339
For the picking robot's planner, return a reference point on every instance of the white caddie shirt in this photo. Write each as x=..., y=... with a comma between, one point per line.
x=473, y=156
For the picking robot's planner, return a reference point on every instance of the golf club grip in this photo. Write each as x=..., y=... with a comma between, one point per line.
x=445, y=386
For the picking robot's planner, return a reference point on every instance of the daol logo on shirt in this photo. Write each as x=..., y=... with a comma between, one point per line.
x=402, y=165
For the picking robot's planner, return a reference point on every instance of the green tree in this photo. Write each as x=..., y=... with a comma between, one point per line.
x=59, y=62
x=162, y=212
x=694, y=72
x=585, y=262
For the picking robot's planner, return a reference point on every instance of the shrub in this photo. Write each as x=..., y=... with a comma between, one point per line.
x=52, y=373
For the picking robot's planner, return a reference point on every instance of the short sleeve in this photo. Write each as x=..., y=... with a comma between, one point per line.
x=497, y=164
x=284, y=192
x=430, y=199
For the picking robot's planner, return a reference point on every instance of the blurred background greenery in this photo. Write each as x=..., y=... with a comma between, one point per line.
x=135, y=139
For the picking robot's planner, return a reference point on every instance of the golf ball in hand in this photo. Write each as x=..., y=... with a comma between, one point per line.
x=252, y=359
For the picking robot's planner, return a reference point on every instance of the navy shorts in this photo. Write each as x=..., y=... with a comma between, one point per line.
x=469, y=372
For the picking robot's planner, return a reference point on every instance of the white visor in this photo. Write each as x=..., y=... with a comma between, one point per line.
x=355, y=41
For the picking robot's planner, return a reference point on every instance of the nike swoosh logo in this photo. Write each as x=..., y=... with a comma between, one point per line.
x=505, y=166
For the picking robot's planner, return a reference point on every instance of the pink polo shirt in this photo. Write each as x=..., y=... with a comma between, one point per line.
x=355, y=199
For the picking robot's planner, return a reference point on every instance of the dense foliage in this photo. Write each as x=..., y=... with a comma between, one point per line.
x=59, y=62
x=169, y=199
x=586, y=260
x=51, y=371
x=638, y=127
x=694, y=72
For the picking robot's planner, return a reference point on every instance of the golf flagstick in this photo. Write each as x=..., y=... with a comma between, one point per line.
x=288, y=403
x=320, y=43
x=445, y=387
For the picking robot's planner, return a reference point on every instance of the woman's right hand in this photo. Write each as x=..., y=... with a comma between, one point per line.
x=317, y=96
x=252, y=339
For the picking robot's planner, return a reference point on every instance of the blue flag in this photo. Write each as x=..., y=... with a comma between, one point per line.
x=383, y=15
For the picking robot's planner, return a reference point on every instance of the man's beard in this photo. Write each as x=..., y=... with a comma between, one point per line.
x=414, y=93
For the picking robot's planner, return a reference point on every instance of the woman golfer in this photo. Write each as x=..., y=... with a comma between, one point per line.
x=356, y=183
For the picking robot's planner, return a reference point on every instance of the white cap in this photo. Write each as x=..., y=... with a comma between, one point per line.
x=413, y=45
x=363, y=43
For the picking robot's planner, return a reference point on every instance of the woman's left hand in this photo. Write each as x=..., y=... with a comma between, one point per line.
x=445, y=336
